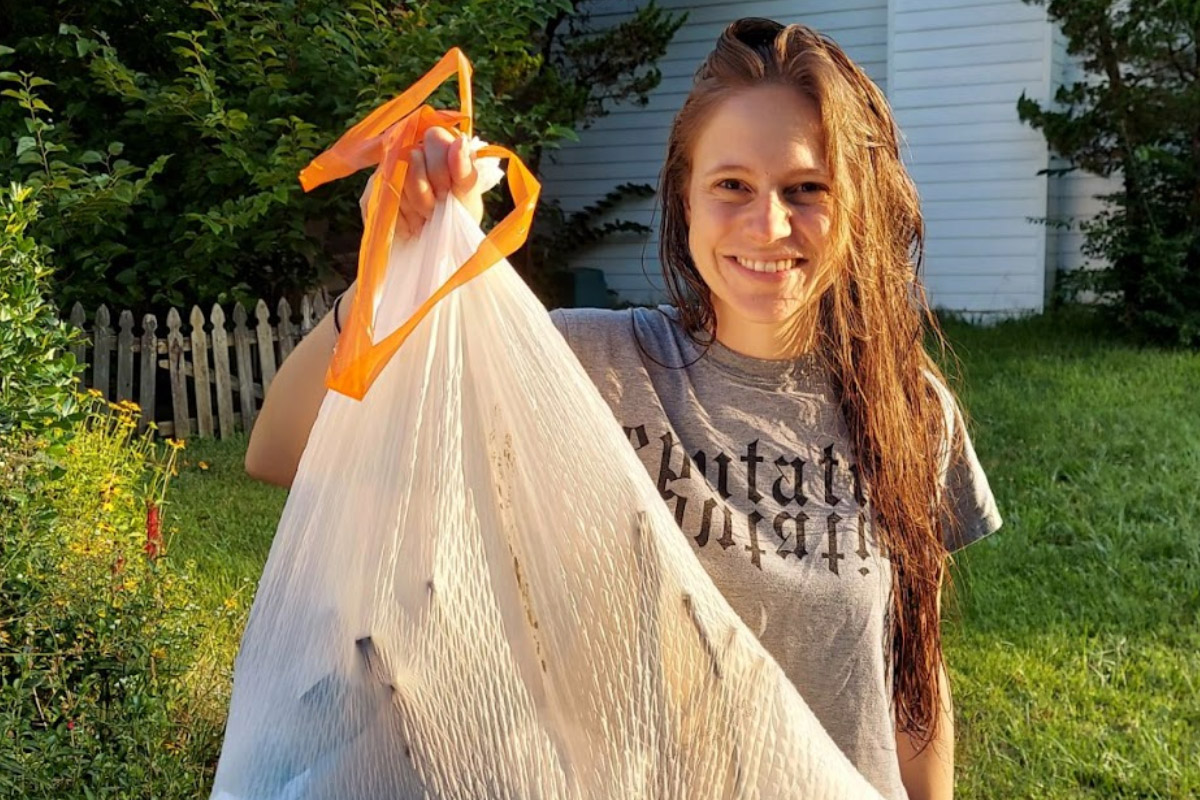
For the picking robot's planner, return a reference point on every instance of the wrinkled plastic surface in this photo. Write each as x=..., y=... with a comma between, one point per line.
x=475, y=590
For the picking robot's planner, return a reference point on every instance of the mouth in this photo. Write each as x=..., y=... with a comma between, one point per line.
x=763, y=267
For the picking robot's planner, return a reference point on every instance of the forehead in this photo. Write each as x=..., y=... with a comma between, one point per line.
x=768, y=129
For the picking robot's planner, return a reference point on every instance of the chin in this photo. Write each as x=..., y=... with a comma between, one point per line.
x=766, y=311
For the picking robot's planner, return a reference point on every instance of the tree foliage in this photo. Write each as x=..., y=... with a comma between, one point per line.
x=1136, y=115
x=164, y=140
x=37, y=370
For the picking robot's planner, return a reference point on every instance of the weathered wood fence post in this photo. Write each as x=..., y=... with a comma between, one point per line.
x=192, y=365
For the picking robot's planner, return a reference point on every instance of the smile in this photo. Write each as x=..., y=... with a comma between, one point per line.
x=766, y=267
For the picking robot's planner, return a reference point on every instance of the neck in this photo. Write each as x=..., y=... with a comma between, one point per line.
x=770, y=341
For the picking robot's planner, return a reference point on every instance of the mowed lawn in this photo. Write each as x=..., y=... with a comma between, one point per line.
x=1074, y=632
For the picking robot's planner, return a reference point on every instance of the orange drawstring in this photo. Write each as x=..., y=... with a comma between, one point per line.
x=384, y=138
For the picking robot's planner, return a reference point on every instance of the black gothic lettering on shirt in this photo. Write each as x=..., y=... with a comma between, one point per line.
x=830, y=463
x=752, y=459
x=788, y=491
x=680, y=507
x=752, y=529
x=833, y=555
x=701, y=536
x=723, y=476
x=726, y=540
x=642, y=440
x=801, y=547
x=858, y=488
x=722, y=461
x=665, y=474
x=862, y=551
x=798, y=496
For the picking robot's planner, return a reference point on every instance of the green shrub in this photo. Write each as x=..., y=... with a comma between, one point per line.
x=37, y=371
x=98, y=627
x=168, y=145
x=1132, y=117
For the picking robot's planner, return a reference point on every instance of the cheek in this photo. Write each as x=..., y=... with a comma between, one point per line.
x=709, y=220
x=709, y=227
x=817, y=224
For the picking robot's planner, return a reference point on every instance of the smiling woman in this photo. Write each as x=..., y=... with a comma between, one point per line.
x=783, y=403
x=790, y=242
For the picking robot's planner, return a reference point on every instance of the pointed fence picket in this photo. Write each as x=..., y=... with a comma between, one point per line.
x=187, y=380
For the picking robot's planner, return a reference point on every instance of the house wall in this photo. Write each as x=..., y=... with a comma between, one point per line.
x=629, y=145
x=957, y=68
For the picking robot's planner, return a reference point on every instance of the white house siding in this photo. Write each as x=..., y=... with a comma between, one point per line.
x=957, y=68
x=629, y=144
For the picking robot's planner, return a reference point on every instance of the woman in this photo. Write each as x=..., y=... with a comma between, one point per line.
x=784, y=402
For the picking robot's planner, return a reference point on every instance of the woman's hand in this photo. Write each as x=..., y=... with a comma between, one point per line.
x=444, y=163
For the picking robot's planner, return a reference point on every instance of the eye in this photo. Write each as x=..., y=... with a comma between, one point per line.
x=810, y=188
x=730, y=184
x=808, y=192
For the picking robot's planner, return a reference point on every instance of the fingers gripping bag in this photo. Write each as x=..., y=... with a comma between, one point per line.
x=456, y=604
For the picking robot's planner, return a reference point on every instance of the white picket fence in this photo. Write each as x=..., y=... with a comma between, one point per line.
x=218, y=374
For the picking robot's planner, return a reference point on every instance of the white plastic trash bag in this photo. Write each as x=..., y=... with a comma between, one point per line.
x=476, y=591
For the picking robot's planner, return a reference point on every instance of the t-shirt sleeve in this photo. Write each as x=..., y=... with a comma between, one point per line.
x=591, y=334
x=971, y=512
x=972, y=507
x=559, y=317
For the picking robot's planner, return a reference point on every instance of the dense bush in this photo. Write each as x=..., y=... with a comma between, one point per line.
x=167, y=147
x=37, y=372
x=97, y=622
x=1134, y=117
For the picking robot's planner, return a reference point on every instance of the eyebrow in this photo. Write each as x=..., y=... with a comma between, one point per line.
x=815, y=171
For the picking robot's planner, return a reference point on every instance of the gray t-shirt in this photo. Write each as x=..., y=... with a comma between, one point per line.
x=754, y=459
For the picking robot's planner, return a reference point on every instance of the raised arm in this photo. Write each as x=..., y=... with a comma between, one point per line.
x=290, y=407
x=444, y=164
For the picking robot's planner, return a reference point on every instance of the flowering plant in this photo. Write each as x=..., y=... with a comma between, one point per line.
x=97, y=621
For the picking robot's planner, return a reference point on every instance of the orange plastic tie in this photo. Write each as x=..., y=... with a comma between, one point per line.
x=384, y=139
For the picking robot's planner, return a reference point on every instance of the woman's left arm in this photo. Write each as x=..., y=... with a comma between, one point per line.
x=929, y=774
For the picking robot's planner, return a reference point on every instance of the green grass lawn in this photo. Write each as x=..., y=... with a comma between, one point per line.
x=1074, y=632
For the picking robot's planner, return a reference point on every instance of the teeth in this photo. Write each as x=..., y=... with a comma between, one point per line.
x=767, y=266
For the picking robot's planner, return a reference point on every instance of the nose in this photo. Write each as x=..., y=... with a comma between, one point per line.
x=770, y=219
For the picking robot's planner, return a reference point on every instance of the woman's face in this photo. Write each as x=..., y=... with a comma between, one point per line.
x=758, y=209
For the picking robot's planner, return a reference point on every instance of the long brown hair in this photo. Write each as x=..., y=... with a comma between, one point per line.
x=872, y=320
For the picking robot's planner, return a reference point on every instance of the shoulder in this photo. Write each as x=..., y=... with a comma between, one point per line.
x=604, y=335
x=613, y=321
x=571, y=321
